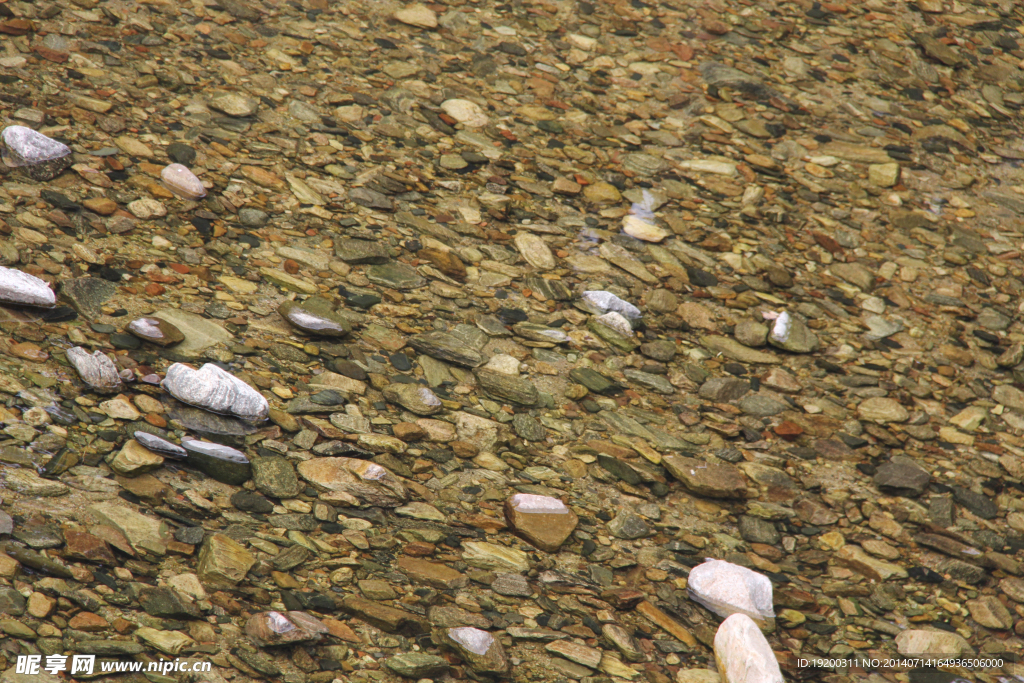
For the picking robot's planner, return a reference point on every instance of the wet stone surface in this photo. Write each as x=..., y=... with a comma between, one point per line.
x=378, y=342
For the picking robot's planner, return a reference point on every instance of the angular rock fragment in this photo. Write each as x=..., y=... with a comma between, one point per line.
x=42, y=158
x=481, y=652
x=353, y=482
x=216, y=390
x=543, y=521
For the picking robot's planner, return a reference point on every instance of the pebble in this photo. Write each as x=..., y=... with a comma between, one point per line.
x=535, y=251
x=182, y=182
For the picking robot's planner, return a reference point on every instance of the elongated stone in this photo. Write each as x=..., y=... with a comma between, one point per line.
x=743, y=654
x=447, y=347
x=155, y=331
x=508, y=388
x=600, y=302
x=216, y=390
x=161, y=446
x=95, y=369
x=541, y=520
x=315, y=316
x=183, y=182
x=22, y=289
x=41, y=157
x=223, y=463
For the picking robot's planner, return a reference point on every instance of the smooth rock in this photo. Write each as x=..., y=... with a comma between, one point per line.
x=155, y=331
x=183, y=182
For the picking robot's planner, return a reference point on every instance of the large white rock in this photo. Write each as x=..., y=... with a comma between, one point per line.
x=726, y=588
x=743, y=654
x=215, y=390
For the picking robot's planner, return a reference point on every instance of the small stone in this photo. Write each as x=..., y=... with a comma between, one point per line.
x=921, y=642
x=181, y=181
x=316, y=316
x=417, y=15
x=481, y=652
x=884, y=175
x=161, y=446
x=134, y=459
x=223, y=563
x=155, y=331
x=417, y=665
x=350, y=480
x=902, y=477
x=414, y=398
x=882, y=410
x=465, y=112
x=234, y=104
x=284, y=628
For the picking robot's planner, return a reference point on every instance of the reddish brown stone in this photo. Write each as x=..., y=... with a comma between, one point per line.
x=114, y=538
x=419, y=548
x=445, y=261
x=88, y=622
x=81, y=545
x=290, y=267
x=789, y=430
x=407, y=431
x=464, y=449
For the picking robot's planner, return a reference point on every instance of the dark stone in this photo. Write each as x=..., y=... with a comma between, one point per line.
x=902, y=477
x=248, y=501
x=978, y=503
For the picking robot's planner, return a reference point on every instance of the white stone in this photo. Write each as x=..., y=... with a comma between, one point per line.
x=743, y=654
x=183, y=182
x=606, y=301
x=528, y=502
x=473, y=639
x=215, y=390
x=726, y=588
x=617, y=322
x=24, y=147
x=95, y=369
x=465, y=112
x=640, y=229
x=20, y=288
